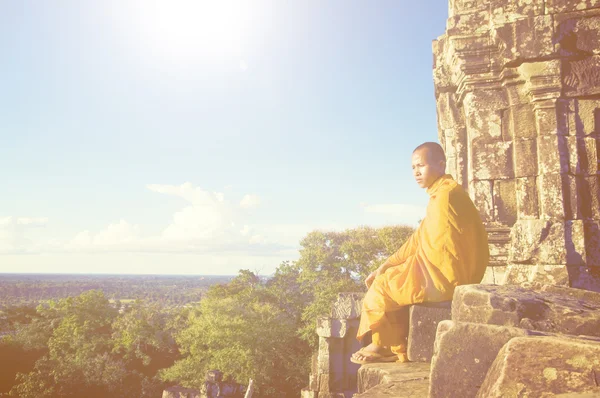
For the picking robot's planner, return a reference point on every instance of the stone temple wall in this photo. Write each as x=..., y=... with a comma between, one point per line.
x=517, y=85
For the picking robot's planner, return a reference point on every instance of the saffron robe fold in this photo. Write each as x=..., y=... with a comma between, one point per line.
x=449, y=248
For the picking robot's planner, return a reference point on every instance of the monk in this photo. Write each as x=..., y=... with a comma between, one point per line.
x=449, y=248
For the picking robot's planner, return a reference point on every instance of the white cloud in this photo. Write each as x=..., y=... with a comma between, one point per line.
x=249, y=202
x=13, y=234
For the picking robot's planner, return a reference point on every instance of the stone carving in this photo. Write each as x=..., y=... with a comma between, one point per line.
x=517, y=85
x=332, y=373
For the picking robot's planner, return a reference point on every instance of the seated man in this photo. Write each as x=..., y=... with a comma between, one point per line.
x=449, y=248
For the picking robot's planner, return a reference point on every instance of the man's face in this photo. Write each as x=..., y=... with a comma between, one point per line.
x=426, y=169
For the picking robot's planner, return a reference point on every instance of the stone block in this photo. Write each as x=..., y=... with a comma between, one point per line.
x=492, y=160
x=373, y=375
x=542, y=82
x=331, y=356
x=417, y=388
x=577, y=33
x=581, y=77
x=552, y=119
x=424, y=319
x=347, y=306
x=525, y=157
x=449, y=115
x=463, y=354
x=585, y=277
x=564, y=6
x=505, y=201
x=530, y=275
x=553, y=154
x=586, y=117
x=551, y=201
x=515, y=10
x=543, y=366
x=526, y=38
x=308, y=393
x=583, y=155
x=592, y=242
x=331, y=327
x=519, y=307
x=538, y=242
x=468, y=23
x=588, y=190
x=575, y=242
x=527, y=198
x=482, y=110
x=593, y=393
x=481, y=193
x=518, y=123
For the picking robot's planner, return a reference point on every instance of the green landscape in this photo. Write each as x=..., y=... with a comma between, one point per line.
x=135, y=335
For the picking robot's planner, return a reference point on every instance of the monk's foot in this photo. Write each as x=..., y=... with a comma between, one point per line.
x=402, y=358
x=373, y=353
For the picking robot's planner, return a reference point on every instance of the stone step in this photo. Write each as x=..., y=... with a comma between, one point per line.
x=392, y=379
x=424, y=319
x=406, y=389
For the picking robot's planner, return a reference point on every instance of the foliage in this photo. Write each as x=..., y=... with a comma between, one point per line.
x=335, y=262
x=88, y=347
x=244, y=330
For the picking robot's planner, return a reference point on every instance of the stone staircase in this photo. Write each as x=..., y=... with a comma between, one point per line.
x=493, y=341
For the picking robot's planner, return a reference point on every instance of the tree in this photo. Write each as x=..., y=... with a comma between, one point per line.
x=244, y=330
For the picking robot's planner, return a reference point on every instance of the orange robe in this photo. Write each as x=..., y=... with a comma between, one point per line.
x=449, y=248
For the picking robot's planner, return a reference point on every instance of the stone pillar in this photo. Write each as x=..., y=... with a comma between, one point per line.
x=332, y=374
x=517, y=85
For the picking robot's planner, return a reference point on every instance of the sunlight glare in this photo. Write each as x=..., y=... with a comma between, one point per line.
x=188, y=29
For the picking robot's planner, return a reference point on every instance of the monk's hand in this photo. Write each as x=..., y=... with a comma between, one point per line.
x=371, y=278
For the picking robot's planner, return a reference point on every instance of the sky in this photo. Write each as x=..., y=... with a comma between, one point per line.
x=203, y=137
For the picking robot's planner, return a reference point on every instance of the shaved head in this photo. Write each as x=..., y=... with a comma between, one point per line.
x=435, y=150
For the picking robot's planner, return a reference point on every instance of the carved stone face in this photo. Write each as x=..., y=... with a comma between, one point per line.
x=425, y=168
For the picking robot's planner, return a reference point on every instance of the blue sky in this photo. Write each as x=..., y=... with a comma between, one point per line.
x=201, y=137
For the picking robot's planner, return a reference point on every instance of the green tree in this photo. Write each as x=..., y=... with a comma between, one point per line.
x=335, y=262
x=244, y=330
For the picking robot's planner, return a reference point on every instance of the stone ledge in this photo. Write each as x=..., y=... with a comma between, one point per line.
x=405, y=389
x=375, y=374
x=424, y=319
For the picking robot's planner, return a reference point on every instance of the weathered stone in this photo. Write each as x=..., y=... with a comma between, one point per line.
x=505, y=202
x=551, y=204
x=372, y=375
x=538, y=242
x=577, y=33
x=424, y=319
x=581, y=77
x=583, y=155
x=593, y=393
x=562, y=6
x=585, y=277
x=552, y=117
x=553, y=154
x=525, y=158
x=463, y=354
x=519, y=307
x=592, y=239
x=308, y=393
x=589, y=197
x=492, y=159
x=543, y=366
x=527, y=198
x=529, y=275
x=332, y=327
x=542, y=80
x=481, y=193
x=405, y=389
x=347, y=306
x=526, y=38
